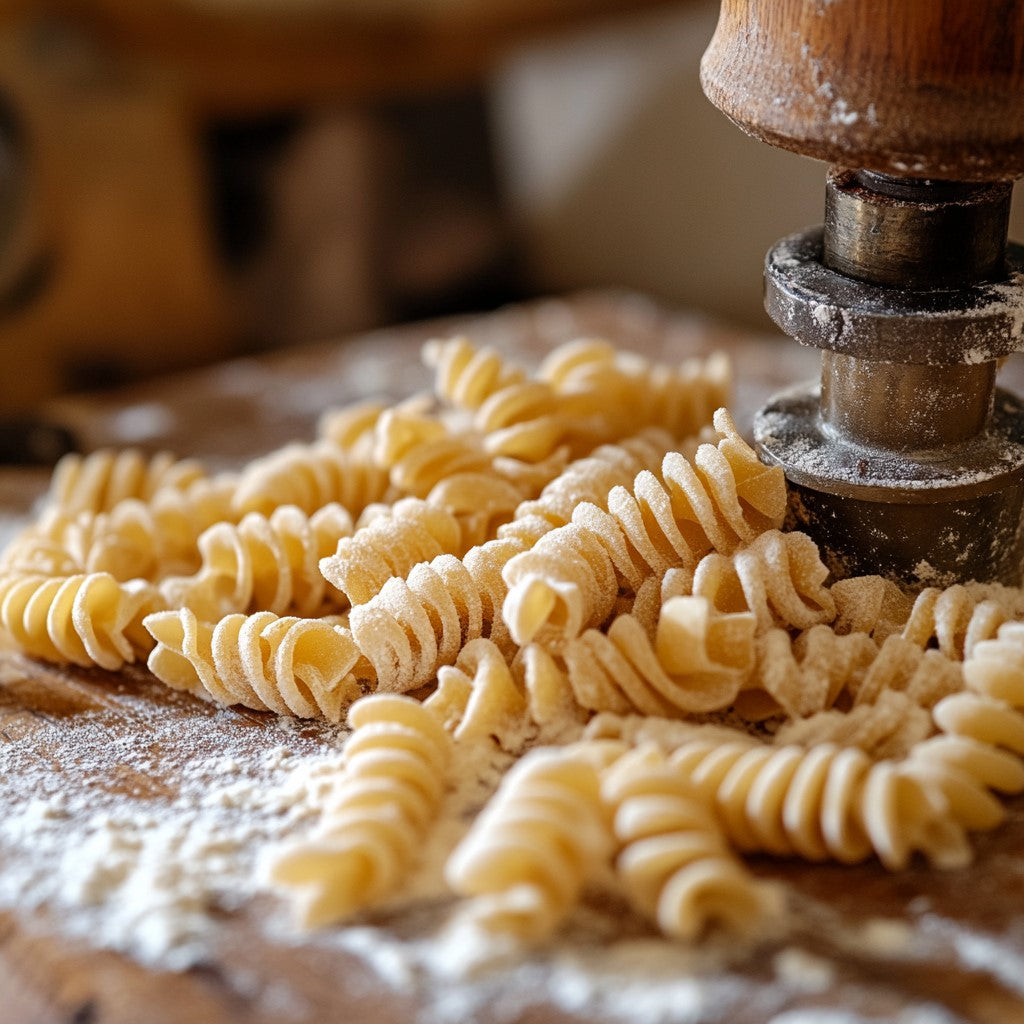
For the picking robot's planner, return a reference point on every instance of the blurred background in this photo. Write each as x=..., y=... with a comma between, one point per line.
x=186, y=180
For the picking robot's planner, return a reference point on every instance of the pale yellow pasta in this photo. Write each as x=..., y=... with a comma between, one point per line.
x=924, y=675
x=302, y=667
x=681, y=397
x=890, y=728
x=535, y=844
x=311, y=476
x=406, y=533
x=376, y=814
x=980, y=746
x=697, y=662
x=779, y=577
x=147, y=539
x=870, y=604
x=264, y=564
x=350, y=427
x=959, y=617
x=568, y=581
x=673, y=861
x=98, y=481
x=823, y=802
x=466, y=376
x=480, y=502
x=86, y=619
x=416, y=624
x=417, y=451
x=477, y=697
x=806, y=674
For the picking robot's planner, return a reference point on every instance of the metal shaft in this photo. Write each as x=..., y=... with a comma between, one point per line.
x=907, y=460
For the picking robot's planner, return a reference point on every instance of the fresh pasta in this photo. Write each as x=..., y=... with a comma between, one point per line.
x=581, y=572
x=376, y=814
x=674, y=862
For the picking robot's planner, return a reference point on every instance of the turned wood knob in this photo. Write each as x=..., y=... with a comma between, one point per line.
x=917, y=88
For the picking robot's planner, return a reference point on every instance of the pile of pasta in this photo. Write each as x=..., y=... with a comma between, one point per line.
x=584, y=568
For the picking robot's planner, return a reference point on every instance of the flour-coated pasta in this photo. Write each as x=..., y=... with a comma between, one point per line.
x=98, y=481
x=376, y=815
x=477, y=697
x=890, y=728
x=805, y=674
x=530, y=851
x=870, y=604
x=87, y=619
x=779, y=577
x=466, y=376
x=697, y=662
x=311, y=476
x=264, y=564
x=568, y=580
x=674, y=862
x=294, y=666
x=924, y=675
x=823, y=802
x=959, y=617
x=406, y=533
x=980, y=746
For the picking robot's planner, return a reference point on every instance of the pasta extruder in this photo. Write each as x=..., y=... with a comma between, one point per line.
x=906, y=460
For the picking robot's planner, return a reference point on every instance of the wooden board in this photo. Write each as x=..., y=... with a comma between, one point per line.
x=876, y=943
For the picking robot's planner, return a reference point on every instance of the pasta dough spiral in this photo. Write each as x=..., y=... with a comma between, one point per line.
x=960, y=617
x=311, y=476
x=98, y=481
x=981, y=742
x=697, y=662
x=390, y=544
x=264, y=564
x=823, y=802
x=376, y=814
x=86, y=619
x=303, y=667
x=569, y=580
x=529, y=852
x=674, y=862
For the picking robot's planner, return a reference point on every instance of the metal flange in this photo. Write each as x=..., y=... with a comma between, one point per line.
x=820, y=307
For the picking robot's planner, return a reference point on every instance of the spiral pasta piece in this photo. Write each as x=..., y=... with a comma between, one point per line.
x=804, y=675
x=680, y=397
x=980, y=746
x=87, y=619
x=926, y=676
x=477, y=697
x=959, y=617
x=302, y=667
x=529, y=852
x=145, y=539
x=870, y=604
x=264, y=564
x=418, y=451
x=351, y=427
x=407, y=533
x=466, y=376
x=697, y=662
x=724, y=498
x=377, y=813
x=98, y=481
x=311, y=476
x=416, y=624
x=779, y=577
x=823, y=802
x=674, y=861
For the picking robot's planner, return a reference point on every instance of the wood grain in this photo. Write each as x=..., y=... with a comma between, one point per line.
x=925, y=88
x=967, y=948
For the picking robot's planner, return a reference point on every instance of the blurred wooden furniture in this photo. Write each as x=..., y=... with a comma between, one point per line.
x=110, y=268
x=966, y=952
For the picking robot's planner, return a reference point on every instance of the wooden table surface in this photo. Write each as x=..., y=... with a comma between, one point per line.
x=963, y=954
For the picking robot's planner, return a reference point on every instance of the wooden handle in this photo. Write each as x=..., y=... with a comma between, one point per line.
x=918, y=88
